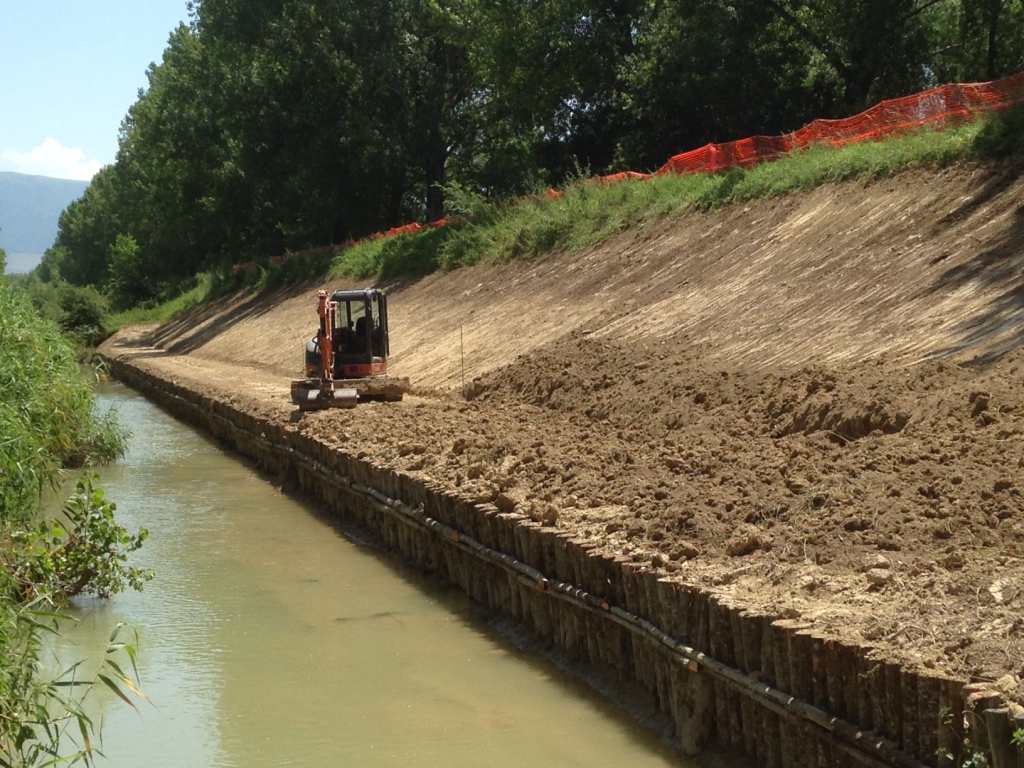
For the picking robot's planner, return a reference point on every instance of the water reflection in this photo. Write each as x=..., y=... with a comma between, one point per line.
x=269, y=639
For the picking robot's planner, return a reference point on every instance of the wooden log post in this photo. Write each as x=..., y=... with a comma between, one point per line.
x=751, y=629
x=670, y=606
x=563, y=571
x=997, y=723
x=718, y=636
x=630, y=582
x=892, y=721
x=799, y=647
x=1018, y=728
x=694, y=709
x=771, y=729
x=701, y=622
x=865, y=691
x=820, y=682
x=739, y=649
x=950, y=736
x=768, y=671
x=977, y=700
x=849, y=657
x=550, y=541
x=929, y=709
x=789, y=747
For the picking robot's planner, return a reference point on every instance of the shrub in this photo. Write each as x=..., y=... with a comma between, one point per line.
x=47, y=413
x=83, y=314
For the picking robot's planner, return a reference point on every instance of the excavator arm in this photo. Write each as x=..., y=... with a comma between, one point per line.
x=310, y=395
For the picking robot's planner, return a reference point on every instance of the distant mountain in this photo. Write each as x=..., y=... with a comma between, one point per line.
x=29, y=209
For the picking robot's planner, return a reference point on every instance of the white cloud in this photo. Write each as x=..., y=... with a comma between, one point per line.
x=52, y=159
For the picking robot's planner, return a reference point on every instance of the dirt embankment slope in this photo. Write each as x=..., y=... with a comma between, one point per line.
x=812, y=403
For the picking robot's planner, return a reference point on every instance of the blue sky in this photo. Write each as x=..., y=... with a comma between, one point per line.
x=69, y=70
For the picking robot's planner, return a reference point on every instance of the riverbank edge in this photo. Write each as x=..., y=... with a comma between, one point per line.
x=756, y=685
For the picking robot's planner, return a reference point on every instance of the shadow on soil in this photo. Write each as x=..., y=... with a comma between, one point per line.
x=199, y=326
x=192, y=330
x=1000, y=327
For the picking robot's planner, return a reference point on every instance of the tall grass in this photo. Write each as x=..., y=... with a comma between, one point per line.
x=194, y=295
x=48, y=419
x=588, y=211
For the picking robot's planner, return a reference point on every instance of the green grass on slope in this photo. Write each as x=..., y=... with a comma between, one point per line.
x=588, y=212
x=197, y=294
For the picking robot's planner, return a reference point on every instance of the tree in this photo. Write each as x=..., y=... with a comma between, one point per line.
x=129, y=282
x=271, y=125
x=979, y=39
x=707, y=71
x=172, y=168
x=85, y=230
x=876, y=48
x=554, y=71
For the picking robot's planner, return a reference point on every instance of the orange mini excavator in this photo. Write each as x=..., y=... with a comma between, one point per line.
x=347, y=360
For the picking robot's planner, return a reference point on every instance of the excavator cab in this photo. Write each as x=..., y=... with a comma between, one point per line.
x=346, y=362
x=359, y=336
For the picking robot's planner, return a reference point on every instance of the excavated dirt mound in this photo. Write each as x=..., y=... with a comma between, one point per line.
x=813, y=403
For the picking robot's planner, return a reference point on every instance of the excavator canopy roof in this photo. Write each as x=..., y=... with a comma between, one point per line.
x=356, y=295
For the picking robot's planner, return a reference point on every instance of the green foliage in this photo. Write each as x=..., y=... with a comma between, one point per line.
x=81, y=311
x=976, y=39
x=42, y=716
x=47, y=420
x=296, y=268
x=1002, y=135
x=411, y=255
x=85, y=552
x=128, y=281
x=288, y=126
x=203, y=288
x=86, y=230
x=47, y=414
x=586, y=212
x=823, y=165
x=83, y=314
x=3, y=262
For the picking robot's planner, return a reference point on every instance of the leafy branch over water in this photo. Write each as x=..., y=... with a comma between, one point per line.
x=86, y=553
x=48, y=422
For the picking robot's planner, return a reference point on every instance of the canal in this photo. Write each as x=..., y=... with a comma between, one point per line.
x=270, y=638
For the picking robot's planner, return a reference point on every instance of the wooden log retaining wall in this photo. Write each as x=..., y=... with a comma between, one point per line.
x=765, y=688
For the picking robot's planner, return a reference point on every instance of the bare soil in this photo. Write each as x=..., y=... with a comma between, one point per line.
x=812, y=403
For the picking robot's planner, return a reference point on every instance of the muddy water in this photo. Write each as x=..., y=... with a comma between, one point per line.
x=268, y=638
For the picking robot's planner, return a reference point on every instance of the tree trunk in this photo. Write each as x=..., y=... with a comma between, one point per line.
x=435, y=172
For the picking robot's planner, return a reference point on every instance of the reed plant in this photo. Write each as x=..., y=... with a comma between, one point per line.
x=48, y=417
x=48, y=421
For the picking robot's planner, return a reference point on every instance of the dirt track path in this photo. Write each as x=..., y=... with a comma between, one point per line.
x=771, y=400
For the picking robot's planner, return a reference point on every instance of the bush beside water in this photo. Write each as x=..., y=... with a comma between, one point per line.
x=48, y=422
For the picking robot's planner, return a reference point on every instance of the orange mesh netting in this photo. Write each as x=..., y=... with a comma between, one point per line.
x=947, y=104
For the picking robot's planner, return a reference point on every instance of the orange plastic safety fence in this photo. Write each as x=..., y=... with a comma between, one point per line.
x=945, y=105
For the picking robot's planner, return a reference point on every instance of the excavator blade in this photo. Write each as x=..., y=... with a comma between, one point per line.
x=315, y=398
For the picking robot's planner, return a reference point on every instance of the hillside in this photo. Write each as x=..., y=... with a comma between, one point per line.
x=811, y=403
x=29, y=209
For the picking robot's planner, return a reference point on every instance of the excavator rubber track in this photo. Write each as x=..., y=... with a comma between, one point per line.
x=310, y=395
